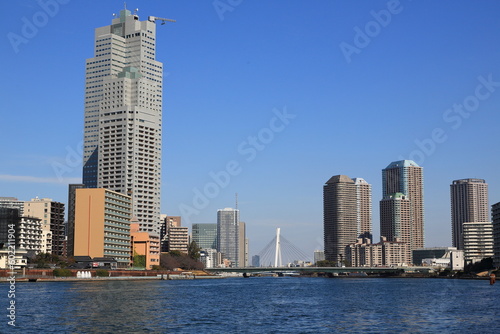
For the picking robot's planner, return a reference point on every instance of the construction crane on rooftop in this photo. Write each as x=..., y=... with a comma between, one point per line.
x=163, y=21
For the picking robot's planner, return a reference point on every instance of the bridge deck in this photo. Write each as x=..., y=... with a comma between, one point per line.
x=367, y=270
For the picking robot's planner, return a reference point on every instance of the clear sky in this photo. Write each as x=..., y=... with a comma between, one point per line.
x=271, y=98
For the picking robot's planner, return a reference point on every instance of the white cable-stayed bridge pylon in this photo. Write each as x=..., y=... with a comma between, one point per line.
x=280, y=251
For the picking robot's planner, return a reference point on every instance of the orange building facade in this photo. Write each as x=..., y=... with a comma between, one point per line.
x=145, y=244
x=102, y=225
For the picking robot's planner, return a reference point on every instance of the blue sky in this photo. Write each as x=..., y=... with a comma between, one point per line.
x=279, y=96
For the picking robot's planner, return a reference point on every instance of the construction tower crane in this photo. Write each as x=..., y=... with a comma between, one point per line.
x=163, y=21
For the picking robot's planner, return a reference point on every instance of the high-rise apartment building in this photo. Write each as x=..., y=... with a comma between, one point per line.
x=319, y=255
x=469, y=203
x=12, y=202
x=71, y=217
x=228, y=222
x=123, y=115
x=402, y=204
x=395, y=219
x=363, y=253
x=28, y=234
x=51, y=214
x=173, y=236
x=242, y=245
x=495, y=217
x=256, y=261
x=363, y=208
x=339, y=216
x=478, y=241
x=178, y=239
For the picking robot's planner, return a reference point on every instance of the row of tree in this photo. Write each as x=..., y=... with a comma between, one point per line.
x=168, y=261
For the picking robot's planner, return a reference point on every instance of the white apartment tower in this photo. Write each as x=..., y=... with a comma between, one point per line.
x=123, y=115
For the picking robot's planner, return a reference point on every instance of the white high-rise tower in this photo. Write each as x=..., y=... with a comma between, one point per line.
x=123, y=115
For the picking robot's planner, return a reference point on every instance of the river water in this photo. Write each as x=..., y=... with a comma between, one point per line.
x=255, y=305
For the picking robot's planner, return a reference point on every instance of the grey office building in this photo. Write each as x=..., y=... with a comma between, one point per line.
x=205, y=235
x=228, y=223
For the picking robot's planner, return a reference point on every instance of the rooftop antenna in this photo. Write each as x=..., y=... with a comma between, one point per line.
x=124, y=5
x=236, y=195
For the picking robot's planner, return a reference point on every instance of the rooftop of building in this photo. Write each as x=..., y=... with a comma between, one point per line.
x=398, y=196
x=8, y=199
x=340, y=179
x=359, y=180
x=402, y=163
x=461, y=181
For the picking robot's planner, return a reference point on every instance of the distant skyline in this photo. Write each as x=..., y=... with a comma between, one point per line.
x=269, y=101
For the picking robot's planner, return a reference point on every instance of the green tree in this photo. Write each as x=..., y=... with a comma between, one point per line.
x=102, y=273
x=169, y=262
x=483, y=265
x=325, y=263
x=139, y=260
x=62, y=272
x=44, y=260
x=194, y=250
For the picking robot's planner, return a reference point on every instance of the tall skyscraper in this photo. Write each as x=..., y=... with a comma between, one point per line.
x=395, y=220
x=123, y=115
x=242, y=245
x=469, y=203
x=339, y=216
x=228, y=228
x=363, y=208
x=402, y=204
x=347, y=214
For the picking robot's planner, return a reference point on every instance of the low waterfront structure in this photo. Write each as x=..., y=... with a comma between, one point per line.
x=18, y=260
x=430, y=253
x=436, y=263
x=457, y=260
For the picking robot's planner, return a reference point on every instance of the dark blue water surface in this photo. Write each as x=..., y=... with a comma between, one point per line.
x=256, y=305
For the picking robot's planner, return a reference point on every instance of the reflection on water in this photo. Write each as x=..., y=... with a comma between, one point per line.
x=256, y=305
